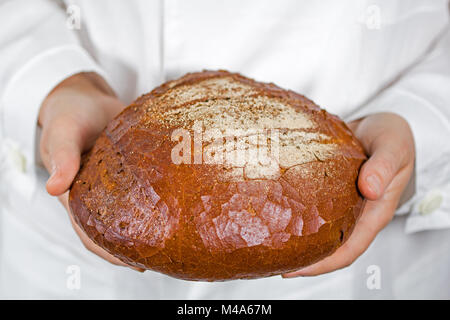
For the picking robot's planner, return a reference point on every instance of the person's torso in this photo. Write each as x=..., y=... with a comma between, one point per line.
x=337, y=53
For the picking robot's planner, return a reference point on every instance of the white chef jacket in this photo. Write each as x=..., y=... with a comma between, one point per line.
x=352, y=57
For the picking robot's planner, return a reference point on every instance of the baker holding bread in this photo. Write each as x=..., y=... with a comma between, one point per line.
x=69, y=69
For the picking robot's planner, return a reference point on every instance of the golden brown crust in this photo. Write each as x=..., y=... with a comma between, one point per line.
x=182, y=220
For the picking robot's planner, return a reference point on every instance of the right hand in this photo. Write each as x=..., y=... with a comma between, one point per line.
x=72, y=116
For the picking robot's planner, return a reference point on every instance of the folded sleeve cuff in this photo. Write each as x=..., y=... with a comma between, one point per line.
x=28, y=88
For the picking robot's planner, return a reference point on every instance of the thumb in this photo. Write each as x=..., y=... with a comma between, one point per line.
x=378, y=172
x=61, y=151
x=384, y=140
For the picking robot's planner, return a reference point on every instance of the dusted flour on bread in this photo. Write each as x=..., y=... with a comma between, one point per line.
x=218, y=211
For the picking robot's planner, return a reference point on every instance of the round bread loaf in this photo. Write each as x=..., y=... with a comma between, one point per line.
x=215, y=177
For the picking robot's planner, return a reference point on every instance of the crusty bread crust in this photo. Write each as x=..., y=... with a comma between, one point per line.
x=216, y=222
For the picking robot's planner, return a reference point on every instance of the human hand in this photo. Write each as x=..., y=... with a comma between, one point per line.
x=389, y=142
x=72, y=116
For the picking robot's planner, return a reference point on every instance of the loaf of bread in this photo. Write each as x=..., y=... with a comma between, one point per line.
x=215, y=177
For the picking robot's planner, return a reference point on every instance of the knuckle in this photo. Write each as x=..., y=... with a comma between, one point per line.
x=43, y=145
x=397, y=119
x=64, y=123
x=385, y=167
x=58, y=123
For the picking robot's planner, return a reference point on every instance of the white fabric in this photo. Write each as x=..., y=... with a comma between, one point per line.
x=339, y=53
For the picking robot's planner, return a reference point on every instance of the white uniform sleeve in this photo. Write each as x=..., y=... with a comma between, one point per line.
x=422, y=97
x=38, y=49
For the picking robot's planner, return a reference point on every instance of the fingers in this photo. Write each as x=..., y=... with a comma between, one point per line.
x=61, y=148
x=72, y=116
x=95, y=249
x=88, y=243
x=376, y=215
x=377, y=173
x=387, y=139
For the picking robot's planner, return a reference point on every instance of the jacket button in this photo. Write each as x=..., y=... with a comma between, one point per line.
x=432, y=201
x=18, y=159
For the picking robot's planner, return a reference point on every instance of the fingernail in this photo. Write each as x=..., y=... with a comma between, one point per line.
x=53, y=171
x=374, y=184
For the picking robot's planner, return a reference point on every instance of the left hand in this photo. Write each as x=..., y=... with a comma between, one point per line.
x=72, y=116
x=389, y=142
